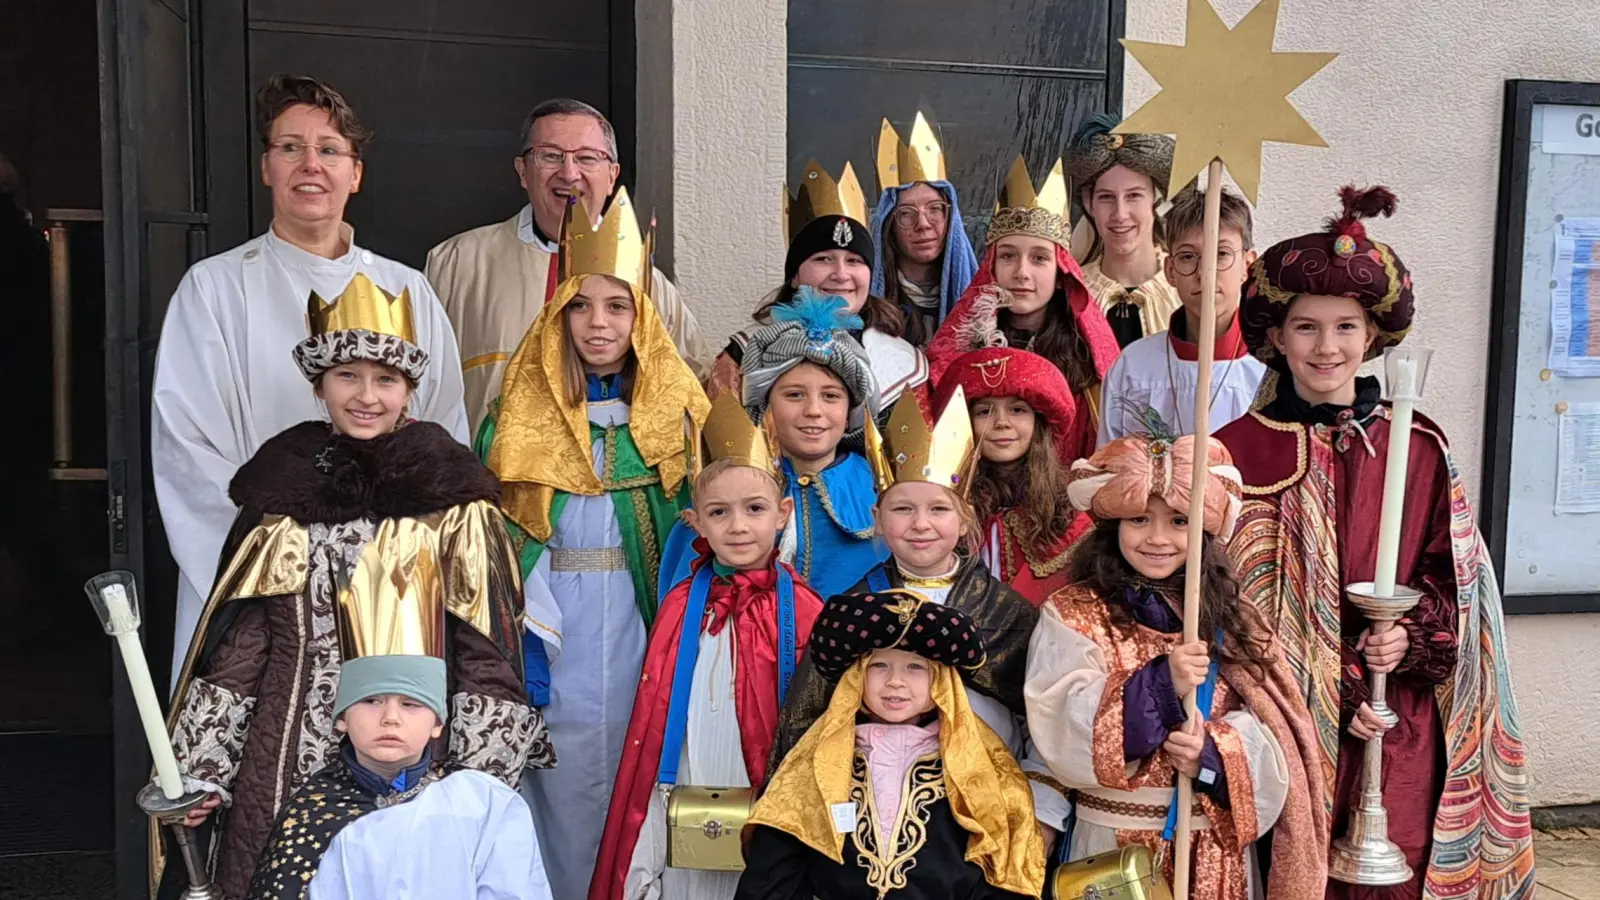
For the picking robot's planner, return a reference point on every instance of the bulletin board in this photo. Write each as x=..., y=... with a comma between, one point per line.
x=1541, y=498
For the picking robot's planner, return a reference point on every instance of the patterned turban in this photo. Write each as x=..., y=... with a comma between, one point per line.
x=1095, y=150
x=1338, y=261
x=851, y=626
x=811, y=328
x=1007, y=372
x=1119, y=480
x=321, y=352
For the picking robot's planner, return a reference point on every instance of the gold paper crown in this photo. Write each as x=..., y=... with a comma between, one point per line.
x=381, y=615
x=616, y=248
x=1020, y=209
x=913, y=450
x=820, y=195
x=900, y=163
x=729, y=434
x=366, y=306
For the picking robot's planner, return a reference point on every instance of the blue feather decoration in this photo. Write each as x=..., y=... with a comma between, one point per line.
x=821, y=314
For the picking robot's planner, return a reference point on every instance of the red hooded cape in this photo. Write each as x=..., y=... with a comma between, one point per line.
x=748, y=600
x=953, y=340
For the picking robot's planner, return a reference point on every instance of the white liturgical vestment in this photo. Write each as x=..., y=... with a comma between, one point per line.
x=226, y=381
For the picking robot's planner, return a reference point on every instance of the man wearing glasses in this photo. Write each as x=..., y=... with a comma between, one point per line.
x=219, y=395
x=494, y=280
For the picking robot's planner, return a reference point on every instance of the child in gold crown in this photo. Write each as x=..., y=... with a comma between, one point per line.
x=340, y=510
x=931, y=531
x=587, y=441
x=720, y=659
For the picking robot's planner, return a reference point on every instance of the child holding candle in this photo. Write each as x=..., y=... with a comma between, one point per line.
x=387, y=818
x=1312, y=457
x=899, y=789
x=368, y=505
x=720, y=659
x=1022, y=413
x=1107, y=672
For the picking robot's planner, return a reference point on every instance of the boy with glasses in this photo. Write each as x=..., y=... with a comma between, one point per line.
x=1156, y=375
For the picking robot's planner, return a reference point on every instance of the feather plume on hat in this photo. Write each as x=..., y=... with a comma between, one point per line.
x=1118, y=481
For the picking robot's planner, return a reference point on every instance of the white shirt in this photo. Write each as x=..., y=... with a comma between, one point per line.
x=226, y=381
x=1160, y=371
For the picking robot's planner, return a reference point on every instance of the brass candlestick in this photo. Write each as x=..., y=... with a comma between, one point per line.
x=1365, y=855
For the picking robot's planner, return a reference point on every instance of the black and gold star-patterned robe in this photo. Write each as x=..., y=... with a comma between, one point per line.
x=328, y=802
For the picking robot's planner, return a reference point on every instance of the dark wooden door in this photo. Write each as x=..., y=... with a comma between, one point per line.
x=443, y=85
x=997, y=78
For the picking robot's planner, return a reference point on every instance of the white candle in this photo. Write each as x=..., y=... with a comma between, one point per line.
x=115, y=597
x=1402, y=393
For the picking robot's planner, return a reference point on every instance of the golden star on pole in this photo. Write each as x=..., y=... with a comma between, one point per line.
x=1224, y=92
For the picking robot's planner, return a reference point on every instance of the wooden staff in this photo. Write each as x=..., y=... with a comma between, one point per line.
x=1206, y=344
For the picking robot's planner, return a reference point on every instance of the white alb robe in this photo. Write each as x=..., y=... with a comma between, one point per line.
x=596, y=641
x=713, y=756
x=1151, y=373
x=226, y=381
x=467, y=837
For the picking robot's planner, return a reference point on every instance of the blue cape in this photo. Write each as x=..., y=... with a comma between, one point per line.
x=960, y=262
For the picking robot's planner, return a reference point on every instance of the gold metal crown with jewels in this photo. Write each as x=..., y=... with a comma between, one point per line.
x=912, y=449
x=1045, y=212
x=729, y=434
x=901, y=163
x=820, y=195
x=616, y=247
x=366, y=306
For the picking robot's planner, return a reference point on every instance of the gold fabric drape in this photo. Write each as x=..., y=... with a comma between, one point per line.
x=988, y=794
x=541, y=442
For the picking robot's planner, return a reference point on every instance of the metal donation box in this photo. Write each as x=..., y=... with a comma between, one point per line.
x=704, y=825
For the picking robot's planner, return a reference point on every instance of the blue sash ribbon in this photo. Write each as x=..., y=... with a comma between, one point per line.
x=689, y=652
x=877, y=578
x=1203, y=695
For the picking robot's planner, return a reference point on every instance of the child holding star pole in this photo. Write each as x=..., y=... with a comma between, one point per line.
x=1221, y=95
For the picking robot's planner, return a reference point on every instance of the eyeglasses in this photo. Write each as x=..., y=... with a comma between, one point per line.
x=554, y=158
x=1187, y=262
x=294, y=152
x=937, y=212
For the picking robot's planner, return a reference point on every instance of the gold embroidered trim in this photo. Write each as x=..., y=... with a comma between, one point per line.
x=648, y=548
x=827, y=504
x=1300, y=456
x=607, y=481
x=805, y=525
x=1043, y=568
x=922, y=787
x=1131, y=810
x=588, y=559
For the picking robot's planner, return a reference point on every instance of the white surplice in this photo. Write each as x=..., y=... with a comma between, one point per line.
x=226, y=381
x=713, y=756
x=595, y=637
x=466, y=836
x=1149, y=372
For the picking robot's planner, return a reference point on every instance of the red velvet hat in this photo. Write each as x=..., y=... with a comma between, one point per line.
x=1338, y=261
x=1007, y=372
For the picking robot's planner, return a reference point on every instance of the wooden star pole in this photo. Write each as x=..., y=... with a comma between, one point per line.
x=1223, y=93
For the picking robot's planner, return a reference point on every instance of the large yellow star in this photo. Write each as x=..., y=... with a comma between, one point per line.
x=1223, y=93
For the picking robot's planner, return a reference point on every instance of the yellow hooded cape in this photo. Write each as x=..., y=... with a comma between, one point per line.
x=541, y=442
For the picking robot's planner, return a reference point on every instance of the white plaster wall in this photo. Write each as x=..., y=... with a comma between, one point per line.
x=1414, y=102
x=713, y=116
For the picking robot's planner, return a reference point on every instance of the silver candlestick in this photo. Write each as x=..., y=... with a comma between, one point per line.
x=172, y=813
x=1365, y=855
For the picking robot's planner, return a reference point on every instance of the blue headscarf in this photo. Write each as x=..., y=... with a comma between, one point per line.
x=960, y=262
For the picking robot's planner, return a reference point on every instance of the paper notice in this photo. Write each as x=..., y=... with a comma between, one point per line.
x=1578, y=459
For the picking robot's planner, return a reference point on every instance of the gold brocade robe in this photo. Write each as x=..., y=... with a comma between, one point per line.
x=252, y=717
x=1156, y=299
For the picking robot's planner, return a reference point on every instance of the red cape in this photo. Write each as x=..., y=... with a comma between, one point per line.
x=755, y=694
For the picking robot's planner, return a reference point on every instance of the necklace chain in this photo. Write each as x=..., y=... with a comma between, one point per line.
x=1172, y=382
